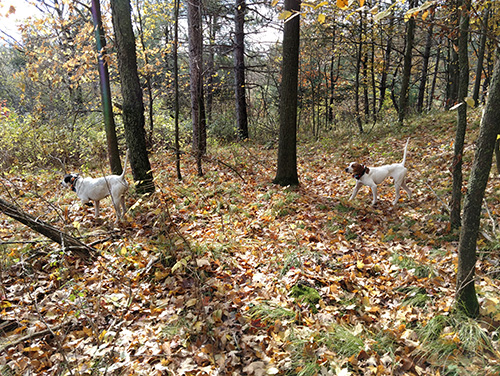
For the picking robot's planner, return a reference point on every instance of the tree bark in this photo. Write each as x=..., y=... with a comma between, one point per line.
x=176, y=90
x=466, y=297
x=358, y=74
x=405, y=84
x=287, y=149
x=387, y=63
x=463, y=60
x=147, y=76
x=430, y=98
x=133, y=106
x=196, y=80
x=67, y=241
x=107, y=106
x=480, y=58
x=239, y=70
x=425, y=67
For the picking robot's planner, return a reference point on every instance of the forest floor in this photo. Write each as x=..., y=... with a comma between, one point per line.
x=228, y=274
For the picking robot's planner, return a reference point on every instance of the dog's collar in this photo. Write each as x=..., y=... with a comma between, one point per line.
x=358, y=176
x=72, y=182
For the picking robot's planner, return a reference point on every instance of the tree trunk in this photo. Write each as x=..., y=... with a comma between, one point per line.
x=358, y=73
x=387, y=63
x=210, y=65
x=430, y=98
x=480, y=58
x=133, y=106
x=455, y=204
x=176, y=90
x=147, y=76
x=239, y=70
x=425, y=67
x=405, y=84
x=107, y=106
x=466, y=297
x=67, y=241
x=287, y=149
x=196, y=80
x=452, y=71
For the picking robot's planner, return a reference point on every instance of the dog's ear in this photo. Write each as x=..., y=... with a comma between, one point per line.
x=367, y=170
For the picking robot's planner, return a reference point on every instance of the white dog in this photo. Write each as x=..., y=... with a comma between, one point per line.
x=90, y=189
x=373, y=176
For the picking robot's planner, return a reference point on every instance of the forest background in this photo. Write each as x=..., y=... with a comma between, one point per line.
x=219, y=271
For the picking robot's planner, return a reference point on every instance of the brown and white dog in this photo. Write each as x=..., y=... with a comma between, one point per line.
x=373, y=176
x=90, y=189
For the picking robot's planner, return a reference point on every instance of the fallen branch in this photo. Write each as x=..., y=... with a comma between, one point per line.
x=210, y=159
x=65, y=240
x=446, y=207
x=31, y=336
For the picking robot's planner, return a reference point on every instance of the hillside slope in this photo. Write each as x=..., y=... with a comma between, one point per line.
x=229, y=274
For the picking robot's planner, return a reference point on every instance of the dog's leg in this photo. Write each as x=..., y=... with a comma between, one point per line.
x=96, y=209
x=374, y=193
x=397, y=194
x=405, y=187
x=124, y=208
x=356, y=190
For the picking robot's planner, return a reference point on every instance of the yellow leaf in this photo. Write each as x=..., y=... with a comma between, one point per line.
x=409, y=14
x=322, y=4
x=361, y=3
x=470, y=102
x=424, y=15
x=274, y=3
x=343, y=4
x=284, y=15
x=321, y=18
x=191, y=302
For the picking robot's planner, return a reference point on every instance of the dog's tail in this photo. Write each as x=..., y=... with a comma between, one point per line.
x=125, y=165
x=404, y=155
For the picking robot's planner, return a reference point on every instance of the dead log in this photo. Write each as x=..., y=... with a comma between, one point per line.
x=53, y=233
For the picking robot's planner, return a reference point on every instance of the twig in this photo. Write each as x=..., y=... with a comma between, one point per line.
x=439, y=198
x=210, y=159
x=493, y=223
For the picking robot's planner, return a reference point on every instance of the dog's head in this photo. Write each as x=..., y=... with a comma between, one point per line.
x=357, y=169
x=69, y=181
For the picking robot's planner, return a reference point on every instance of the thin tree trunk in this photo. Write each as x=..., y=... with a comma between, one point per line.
x=405, y=84
x=210, y=65
x=453, y=70
x=176, y=90
x=480, y=58
x=107, y=106
x=466, y=297
x=239, y=70
x=425, y=67
x=455, y=204
x=358, y=73
x=196, y=75
x=286, y=173
x=149, y=85
x=387, y=63
x=430, y=98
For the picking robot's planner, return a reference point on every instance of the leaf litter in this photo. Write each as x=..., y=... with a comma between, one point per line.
x=221, y=275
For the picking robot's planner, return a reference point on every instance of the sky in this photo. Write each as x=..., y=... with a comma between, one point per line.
x=9, y=21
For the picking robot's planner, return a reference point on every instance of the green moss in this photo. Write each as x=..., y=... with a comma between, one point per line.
x=306, y=294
